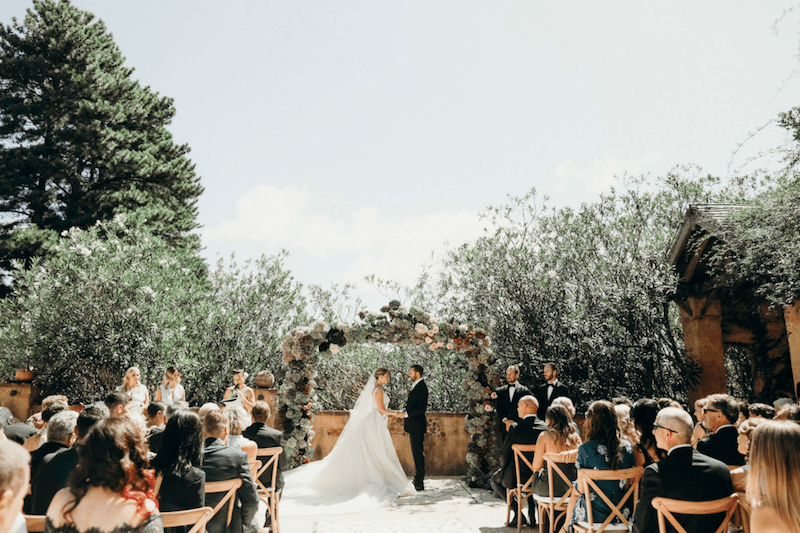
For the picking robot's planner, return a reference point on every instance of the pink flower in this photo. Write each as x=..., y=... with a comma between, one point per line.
x=429, y=340
x=488, y=408
x=421, y=329
x=449, y=345
x=335, y=348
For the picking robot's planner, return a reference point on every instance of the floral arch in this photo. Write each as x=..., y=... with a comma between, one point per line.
x=394, y=324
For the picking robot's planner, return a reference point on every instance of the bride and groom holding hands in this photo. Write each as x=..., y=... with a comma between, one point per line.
x=363, y=467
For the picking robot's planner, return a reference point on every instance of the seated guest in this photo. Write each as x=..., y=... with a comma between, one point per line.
x=178, y=462
x=266, y=437
x=221, y=463
x=627, y=430
x=684, y=474
x=781, y=403
x=720, y=413
x=206, y=408
x=55, y=469
x=19, y=432
x=156, y=421
x=239, y=421
x=774, y=480
x=117, y=403
x=744, y=412
x=739, y=475
x=788, y=412
x=645, y=450
x=13, y=485
x=60, y=435
x=700, y=429
x=526, y=431
x=602, y=450
x=561, y=436
x=663, y=403
x=111, y=488
x=49, y=409
x=762, y=410
x=570, y=407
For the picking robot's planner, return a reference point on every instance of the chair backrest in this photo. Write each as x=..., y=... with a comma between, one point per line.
x=34, y=523
x=269, y=457
x=587, y=478
x=520, y=451
x=229, y=486
x=665, y=507
x=198, y=518
x=557, y=463
x=255, y=466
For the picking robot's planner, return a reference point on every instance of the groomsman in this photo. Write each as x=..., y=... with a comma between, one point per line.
x=508, y=398
x=416, y=424
x=551, y=390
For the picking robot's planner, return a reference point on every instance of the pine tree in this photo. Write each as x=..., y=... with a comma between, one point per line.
x=79, y=139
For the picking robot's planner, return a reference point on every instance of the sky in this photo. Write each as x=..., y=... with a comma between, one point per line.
x=366, y=137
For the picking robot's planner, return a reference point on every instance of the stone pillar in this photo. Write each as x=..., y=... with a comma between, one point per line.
x=702, y=335
x=18, y=397
x=791, y=314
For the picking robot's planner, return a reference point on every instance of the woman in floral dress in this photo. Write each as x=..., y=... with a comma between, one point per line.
x=602, y=450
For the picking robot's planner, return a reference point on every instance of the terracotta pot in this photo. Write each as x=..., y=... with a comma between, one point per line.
x=265, y=379
x=23, y=374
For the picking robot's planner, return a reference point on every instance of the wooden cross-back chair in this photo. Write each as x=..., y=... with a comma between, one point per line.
x=523, y=489
x=554, y=507
x=197, y=518
x=269, y=493
x=229, y=486
x=665, y=507
x=587, y=478
x=34, y=523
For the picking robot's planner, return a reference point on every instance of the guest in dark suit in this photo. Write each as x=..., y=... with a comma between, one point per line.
x=719, y=415
x=55, y=469
x=552, y=388
x=266, y=437
x=60, y=435
x=526, y=431
x=684, y=474
x=416, y=423
x=178, y=462
x=507, y=398
x=221, y=463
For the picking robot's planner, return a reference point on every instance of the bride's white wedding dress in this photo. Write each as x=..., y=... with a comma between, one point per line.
x=361, y=471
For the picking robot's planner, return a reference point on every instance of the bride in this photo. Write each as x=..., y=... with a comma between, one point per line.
x=362, y=470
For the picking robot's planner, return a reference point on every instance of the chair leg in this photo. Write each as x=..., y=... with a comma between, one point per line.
x=519, y=512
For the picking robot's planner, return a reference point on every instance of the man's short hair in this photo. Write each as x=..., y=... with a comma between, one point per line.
x=14, y=467
x=726, y=404
x=678, y=421
x=418, y=369
x=780, y=402
x=215, y=422
x=89, y=416
x=154, y=408
x=763, y=410
x=552, y=366
x=206, y=408
x=53, y=408
x=115, y=399
x=513, y=368
x=62, y=426
x=531, y=400
x=261, y=411
x=54, y=398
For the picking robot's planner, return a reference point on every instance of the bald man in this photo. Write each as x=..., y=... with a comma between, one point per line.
x=684, y=474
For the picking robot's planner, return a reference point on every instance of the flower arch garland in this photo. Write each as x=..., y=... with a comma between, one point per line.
x=394, y=324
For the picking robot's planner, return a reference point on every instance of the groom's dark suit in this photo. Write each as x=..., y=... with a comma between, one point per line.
x=507, y=407
x=416, y=425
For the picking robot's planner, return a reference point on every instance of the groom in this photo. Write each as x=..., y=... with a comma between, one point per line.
x=416, y=425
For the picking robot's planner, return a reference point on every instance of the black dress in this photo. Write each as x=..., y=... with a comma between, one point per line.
x=151, y=525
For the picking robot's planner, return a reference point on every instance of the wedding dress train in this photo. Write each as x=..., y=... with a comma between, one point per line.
x=362, y=470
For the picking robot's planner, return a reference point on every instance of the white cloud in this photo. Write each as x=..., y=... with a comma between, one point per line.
x=370, y=241
x=599, y=174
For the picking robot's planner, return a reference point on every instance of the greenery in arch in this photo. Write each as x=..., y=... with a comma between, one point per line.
x=304, y=347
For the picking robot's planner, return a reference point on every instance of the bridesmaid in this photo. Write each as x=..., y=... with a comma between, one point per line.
x=171, y=390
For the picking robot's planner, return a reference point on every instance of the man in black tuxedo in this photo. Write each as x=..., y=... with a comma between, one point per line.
x=55, y=468
x=551, y=390
x=684, y=474
x=507, y=398
x=266, y=437
x=526, y=431
x=719, y=414
x=416, y=424
x=221, y=463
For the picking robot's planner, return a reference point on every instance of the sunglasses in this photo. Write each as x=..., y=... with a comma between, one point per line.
x=656, y=426
x=707, y=410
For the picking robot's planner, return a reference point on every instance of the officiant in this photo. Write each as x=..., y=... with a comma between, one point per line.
x=507, y=399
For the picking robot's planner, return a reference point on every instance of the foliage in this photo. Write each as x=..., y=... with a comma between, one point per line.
x=586, y=288
x=306, y=346
x=79, y=139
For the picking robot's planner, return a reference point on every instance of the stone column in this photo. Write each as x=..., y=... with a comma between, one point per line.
x=702, y=335
x=791, y=314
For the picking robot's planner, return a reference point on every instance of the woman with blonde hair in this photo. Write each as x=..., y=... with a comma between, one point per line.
x=136, y=391
x=561, y=436
x=171, y=390
x=239, y=421
x=627, y=430
x=773, y=483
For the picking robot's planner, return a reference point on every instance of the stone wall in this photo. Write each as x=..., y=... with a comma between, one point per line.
x=17, y=396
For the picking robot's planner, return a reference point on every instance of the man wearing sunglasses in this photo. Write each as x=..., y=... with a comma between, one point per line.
x=684, y=474
x=719, y=415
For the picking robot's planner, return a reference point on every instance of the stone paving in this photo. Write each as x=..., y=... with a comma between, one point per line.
x=446, y=506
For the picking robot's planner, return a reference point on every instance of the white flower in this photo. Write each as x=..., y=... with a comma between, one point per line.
x=551, y=273
x=162, y=261
x=148, y=291
x=602, y=450
x=183, y=328
x=421, y=328
x=335, y=348
x=84, y=250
